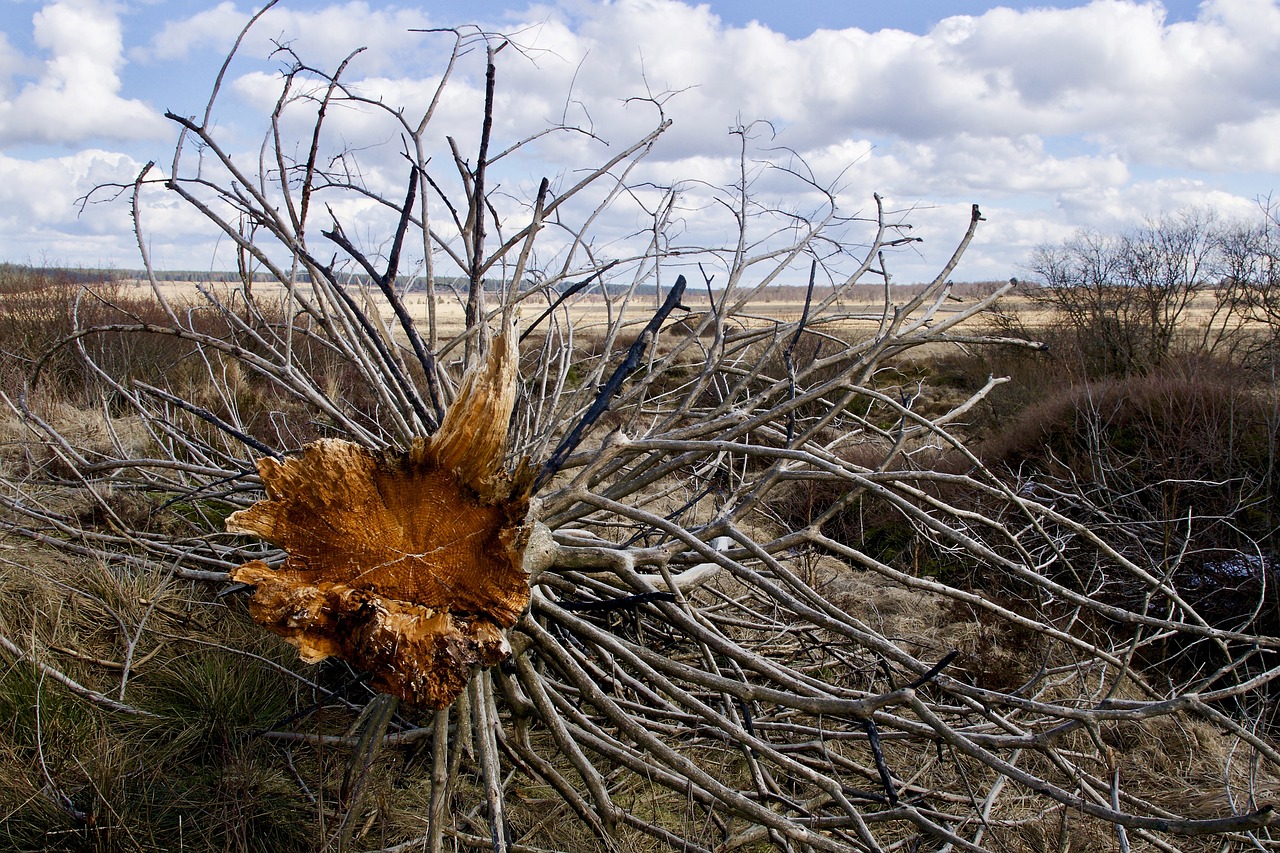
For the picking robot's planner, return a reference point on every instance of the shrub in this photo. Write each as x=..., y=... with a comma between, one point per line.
x=1183, y=464
x=1196, y=439
x=41, y=310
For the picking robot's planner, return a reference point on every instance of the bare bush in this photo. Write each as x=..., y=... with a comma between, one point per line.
x=1123, y=300
x=1250, y=282
x=1125, y=295
x=694, y=667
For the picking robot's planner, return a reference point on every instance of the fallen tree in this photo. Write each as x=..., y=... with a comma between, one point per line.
x=562, y=548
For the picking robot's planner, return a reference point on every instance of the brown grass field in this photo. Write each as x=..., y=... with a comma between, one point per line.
x=590, y=312
x=214, y=763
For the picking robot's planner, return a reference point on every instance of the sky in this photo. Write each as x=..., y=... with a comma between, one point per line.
x=1051, y=116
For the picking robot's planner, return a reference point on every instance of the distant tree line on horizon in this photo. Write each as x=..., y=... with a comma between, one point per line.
x=445, y=284
x=1132, y=286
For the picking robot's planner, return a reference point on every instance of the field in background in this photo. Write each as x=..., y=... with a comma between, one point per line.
x=203, y=776
x=783, y=305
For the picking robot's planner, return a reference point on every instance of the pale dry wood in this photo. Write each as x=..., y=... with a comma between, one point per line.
x=692, y=659
x=407, y=565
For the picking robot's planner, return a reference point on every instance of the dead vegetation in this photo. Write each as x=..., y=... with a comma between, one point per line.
x=773, y=599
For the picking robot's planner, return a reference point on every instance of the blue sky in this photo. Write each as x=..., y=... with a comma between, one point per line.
x=1053, y=116
x=798, y=19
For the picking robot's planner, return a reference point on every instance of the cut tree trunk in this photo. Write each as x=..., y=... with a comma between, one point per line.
x=408, y=565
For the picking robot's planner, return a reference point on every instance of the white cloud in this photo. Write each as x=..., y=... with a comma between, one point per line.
x=324, y=35
x=45, y=192
x=966, y=166
x=211, y=30
x=1050, y=118
x=45, y=219
x=12, y=62
x=1111, y=69
x=1106, y=70
x=75, y=95
x=1120, y=207
x=40, y=213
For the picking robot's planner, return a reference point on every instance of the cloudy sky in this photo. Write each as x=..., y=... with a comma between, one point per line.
x=1051, y=116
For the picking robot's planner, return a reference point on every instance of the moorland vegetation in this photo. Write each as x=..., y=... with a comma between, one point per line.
x=981, y=567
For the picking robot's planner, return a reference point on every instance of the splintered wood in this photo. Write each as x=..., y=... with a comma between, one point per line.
x=406, y=564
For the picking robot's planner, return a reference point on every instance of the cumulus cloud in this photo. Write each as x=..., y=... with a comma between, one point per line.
x=212, y=30
x=1049, y=117
x=1105, y=70
x=12, y=62
x=981, y=167
x=324, y=35
x=40, y=214
x=75, y=93
x=51, y=213
x=46, y=191
x=1058, y=109
x=1112, y=69
x=1119, y=207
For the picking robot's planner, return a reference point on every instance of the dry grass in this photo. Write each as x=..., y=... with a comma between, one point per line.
x=201, y=775
x=589, y=312
x=197, y=771
x=80, y=777
x=1174, y=761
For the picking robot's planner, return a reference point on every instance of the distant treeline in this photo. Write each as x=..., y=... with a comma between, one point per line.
x=72, y=275
x=87, y=275
x=444, y=284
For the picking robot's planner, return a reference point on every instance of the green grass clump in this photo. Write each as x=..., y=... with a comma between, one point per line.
x=192, y=771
